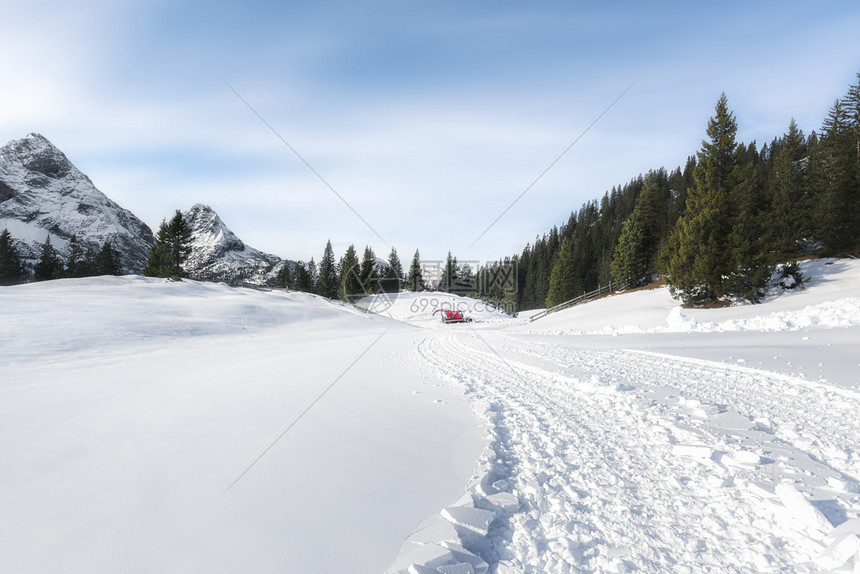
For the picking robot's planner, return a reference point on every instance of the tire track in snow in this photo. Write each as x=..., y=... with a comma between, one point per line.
x=816, y=418
x=558, y=443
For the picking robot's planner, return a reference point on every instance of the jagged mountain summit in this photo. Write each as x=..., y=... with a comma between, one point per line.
x=42, y=193
x=217, y=254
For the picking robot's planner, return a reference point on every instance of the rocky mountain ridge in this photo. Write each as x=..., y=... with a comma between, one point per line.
x=217, y=254
x=42, y=194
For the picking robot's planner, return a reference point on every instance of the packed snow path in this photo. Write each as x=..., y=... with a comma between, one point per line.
x=619, y=461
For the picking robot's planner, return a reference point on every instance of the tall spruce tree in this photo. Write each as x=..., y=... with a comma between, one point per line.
x=415, y=281
x=76, y=264
x=302, y=279
x=449, y=275
x=562, y=280
x=791, y=204
x=171, y=249
x=351, y=286
x=369, y=272
x=637, y=252
x=536, y=285
x=328, y=279
x=284, y=279
x=158, y=264
x=395, y=267
x=314, y=273
x=750, y=240
x=107, y=261
x=12, y=270
x=49, y=266
x=466, y=280
x=700, y=268
x=835, y=174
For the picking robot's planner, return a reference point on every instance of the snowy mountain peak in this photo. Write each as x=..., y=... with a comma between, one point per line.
x=218, y=254
x=42, y=194
x=208, y=228
x=37, y=154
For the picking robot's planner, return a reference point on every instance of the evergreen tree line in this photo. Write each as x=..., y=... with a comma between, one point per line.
x=349, y=278
x=83, y=261
x=716, y=228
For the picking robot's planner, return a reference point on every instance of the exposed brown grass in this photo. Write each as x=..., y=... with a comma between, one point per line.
x=654, y=285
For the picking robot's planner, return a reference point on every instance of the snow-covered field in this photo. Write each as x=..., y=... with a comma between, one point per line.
x=627, y=434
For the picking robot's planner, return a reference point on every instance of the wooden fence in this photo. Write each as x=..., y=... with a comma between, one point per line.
x=584, y=298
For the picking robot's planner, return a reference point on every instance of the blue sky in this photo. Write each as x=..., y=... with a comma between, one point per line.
x=428, y=118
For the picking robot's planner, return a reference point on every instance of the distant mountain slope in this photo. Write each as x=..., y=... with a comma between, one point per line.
x=217, y=254
x=42, y=193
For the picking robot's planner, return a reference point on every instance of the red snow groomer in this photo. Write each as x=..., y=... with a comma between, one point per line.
x=449, y=316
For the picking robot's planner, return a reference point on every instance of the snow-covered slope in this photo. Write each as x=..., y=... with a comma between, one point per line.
x=829, y=299
x=129, y=405
x=217, y=254
x=42, y=193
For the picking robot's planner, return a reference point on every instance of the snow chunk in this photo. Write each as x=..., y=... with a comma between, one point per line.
x=677, y=321
x=740, y=459
x=442, y=530
x=432, y=556
x=801, y=513
x=693, y=450
x=839, y=552
x=474, y=519
x=504, y=501
x=462, y=568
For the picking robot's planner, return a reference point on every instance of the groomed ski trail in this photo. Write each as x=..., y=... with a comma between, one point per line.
x=626, y=461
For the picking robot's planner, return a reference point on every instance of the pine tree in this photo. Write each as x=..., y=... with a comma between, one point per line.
x=369, y=273
x=395, y=267
x=415, y=282
x=50, y=266
x=302, y=280
x=284, y=279
x=76, y=264
x=172, y=248
x=699, y=270
x=158, y=264
x=107, y=261
x=313, y=272
x=328, y=279
x=537, y=276
x=392, y=277
x=88, y=266
x=562, y=281
x=791, y=207
x=750, y=240
x=12, y=270
x=836, y=181
x=521, y=266
x=180, y=243
x=351, y=287
x=449, y=275
x=635, y=255
x=465, y=279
